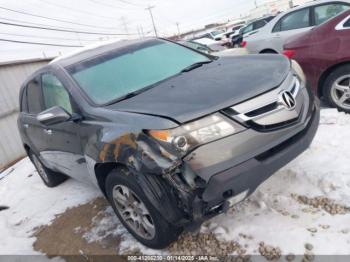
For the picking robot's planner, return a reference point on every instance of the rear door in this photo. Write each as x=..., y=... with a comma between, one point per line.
x=63, y=148
x=32, y=130
x=289, y=25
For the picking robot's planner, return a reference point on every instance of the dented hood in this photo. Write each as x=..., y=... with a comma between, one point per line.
x=209, y=88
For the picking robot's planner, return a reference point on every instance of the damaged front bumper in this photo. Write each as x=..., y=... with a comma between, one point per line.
x=232, y=172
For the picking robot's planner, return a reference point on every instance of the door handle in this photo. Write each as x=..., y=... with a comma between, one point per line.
x=48, y=131
x=25, y=125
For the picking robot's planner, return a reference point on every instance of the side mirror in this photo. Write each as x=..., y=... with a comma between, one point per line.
x=53, y=115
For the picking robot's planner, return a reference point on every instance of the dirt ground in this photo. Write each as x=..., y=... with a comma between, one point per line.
x=66, y=237
x=62, y=237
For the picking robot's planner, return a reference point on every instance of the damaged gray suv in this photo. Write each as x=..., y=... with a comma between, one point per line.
x=171, y=136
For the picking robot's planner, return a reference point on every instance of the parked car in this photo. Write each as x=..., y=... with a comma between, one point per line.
x=249, y=29
x=171, y=136
x=206, y=49
x=212, y=44
x=324, y=54
x=272, y=37
x=233, y=30
x=214, y=35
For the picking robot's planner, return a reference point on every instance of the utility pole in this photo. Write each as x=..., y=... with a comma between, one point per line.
x=149, y=8
x=291, y=4
x=178, y=29
x=123, y=19
x=142, y=33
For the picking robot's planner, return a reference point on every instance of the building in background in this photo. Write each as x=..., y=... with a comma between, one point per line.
x=12, y=75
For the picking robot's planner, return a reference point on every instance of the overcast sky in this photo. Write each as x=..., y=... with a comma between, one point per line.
x=104, y=16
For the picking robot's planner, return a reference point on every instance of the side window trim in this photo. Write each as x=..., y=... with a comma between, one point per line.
x=23, y=106
x=341, y=25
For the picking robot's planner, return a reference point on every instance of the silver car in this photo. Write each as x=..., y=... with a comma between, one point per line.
x=271, y=38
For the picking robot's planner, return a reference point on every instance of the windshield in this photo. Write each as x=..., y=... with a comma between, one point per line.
x=114, y=75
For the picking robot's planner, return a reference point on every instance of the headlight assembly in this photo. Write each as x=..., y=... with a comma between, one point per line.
x=298, y=71
x=198, y=132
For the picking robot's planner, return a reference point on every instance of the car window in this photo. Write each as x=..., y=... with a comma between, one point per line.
x=347, y=23
x=259, y=24
x=296, y=20
x=248, y=28
x=34, y=97
x=325, y=12
x=54, y=93
x=268, y=19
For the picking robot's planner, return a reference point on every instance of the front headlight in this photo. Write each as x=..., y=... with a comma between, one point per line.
x=198, y=132
x=298, y=71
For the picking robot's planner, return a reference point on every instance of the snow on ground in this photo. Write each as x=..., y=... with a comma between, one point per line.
x=272, y=214
x=32, y=204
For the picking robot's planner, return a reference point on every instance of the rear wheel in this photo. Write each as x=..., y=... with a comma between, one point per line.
x=49, y=177
x=136, y=212
x=336, y=89
x=268, y=51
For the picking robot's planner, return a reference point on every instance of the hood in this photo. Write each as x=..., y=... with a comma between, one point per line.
x=209, y=88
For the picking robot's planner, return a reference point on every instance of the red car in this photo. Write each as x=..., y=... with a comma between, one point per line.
x=324, y=55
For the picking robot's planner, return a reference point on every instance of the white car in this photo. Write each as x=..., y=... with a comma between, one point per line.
x=271, y=38
x=212, y=44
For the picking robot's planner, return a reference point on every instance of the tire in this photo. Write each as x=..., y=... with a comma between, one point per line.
x=265, y=52
x=49, y=177
x=122, y=182
x=336, y=89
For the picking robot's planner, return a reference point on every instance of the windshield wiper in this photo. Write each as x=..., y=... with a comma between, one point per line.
x=125, y=97
x=195, y=65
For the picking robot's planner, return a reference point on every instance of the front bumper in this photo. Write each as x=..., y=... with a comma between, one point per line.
x=246, y=174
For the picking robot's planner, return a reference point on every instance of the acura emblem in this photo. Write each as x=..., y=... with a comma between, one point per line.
x=288, y=100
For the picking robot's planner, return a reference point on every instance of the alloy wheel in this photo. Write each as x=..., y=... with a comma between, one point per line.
x=340, y=92
x=133, y=211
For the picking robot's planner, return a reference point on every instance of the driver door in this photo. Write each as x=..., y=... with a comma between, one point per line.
x=63, y=148
x=290, y=25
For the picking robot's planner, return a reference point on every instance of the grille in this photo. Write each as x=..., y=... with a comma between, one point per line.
x=271, y=110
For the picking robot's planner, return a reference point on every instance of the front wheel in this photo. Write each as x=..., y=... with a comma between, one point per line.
x=136, y=212
x=336, y=89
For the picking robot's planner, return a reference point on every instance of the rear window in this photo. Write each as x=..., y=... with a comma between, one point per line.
x=34, y=97
x=112, y=76
x=327, y=11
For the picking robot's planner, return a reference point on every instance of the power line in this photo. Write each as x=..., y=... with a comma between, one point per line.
x=54, y=19
x=63, y=30
x=113, y=6
x=77, y=10
x=52, y=37
x=129, y=3
x=37, y=43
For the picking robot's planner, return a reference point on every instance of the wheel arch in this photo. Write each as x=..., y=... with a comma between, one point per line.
x=102, y=170
x=268, y=51
x=326, y=73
